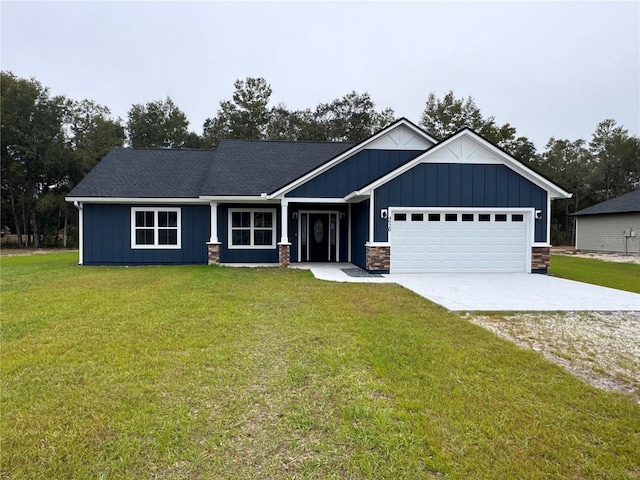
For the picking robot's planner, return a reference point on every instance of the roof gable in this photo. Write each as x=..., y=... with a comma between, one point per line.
x=466, y=146
x=402, y=133
x=627, y=203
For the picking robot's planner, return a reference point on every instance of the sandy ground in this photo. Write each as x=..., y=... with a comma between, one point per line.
x=601, y=348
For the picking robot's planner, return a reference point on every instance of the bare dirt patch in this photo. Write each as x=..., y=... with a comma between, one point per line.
x=601, y=348
x=607, y=257
x=15, y=252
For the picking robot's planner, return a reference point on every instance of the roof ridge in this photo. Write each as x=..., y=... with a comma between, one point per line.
x=257, y=140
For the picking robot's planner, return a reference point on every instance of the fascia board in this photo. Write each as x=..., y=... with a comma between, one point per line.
x=235, y=198
x=129, y=200
x=352, y=151
x=551, y=188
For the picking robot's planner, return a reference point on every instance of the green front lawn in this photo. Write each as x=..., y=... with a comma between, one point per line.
x=205, y=372
x=623, y=276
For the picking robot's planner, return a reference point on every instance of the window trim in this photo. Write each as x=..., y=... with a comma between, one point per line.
x=156, y=228
x=251, y=228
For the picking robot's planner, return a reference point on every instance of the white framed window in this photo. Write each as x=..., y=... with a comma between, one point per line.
x=252, y=228
x=155, y=227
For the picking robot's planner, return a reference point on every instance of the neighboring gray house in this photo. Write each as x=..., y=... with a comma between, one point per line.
x=611, y=226
x=398, y=201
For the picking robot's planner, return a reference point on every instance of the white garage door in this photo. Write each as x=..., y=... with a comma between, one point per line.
x=459, y=241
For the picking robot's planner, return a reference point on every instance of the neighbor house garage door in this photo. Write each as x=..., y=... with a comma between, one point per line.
x=459, y=240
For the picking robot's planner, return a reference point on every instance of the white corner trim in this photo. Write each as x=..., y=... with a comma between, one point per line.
x=80, y=208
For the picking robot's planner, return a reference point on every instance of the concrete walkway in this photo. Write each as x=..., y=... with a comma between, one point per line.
x=492, y=291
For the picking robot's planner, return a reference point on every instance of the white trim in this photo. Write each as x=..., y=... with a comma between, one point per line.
x=315, y=200
x=352, y=151
x=156, y=228
x=372, y=217
x=237, y=198
x=553, y=191
x=548, y=219
x=230, y=229
x=135, y=201
x=80, y=208
x=377, y=244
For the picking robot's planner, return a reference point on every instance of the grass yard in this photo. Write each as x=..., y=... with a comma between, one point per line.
x=200, y=372
x=623, y=276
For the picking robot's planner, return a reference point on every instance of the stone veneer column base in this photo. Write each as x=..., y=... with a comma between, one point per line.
x=213, y=253
x=540, y=259
x=378, y=258
x=284, y=254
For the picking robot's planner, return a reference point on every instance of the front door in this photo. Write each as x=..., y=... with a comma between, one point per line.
x=318, y=237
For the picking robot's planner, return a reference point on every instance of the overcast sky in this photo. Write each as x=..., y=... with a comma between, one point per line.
x=548, y=68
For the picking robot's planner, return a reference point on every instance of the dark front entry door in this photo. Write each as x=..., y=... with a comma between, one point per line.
x=318, y=237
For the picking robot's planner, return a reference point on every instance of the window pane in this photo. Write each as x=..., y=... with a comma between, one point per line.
x=262, y=237
x=236, y=219
x=162, y=219
x=516, y=217
x=144, y=236
x=501, y=217
x=139, y=219
x=417, y=217
x=484, y=217
x=173, y=219
x=451, y=217
x=434, y=217
x=263, y=219
x=400, y=217
x=148, y=219
x=467, y=217
x=168, y=237
x=241, y=237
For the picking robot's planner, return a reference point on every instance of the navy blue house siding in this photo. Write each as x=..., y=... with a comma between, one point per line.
x=107, y=237
x=353, y=173
x=359, y=232
x=460, y=185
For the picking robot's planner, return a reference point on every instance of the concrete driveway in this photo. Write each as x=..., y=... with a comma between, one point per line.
x=514, y=292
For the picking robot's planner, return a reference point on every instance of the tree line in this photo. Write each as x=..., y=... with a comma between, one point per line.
x=50, y=142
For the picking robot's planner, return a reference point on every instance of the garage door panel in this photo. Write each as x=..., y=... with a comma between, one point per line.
x=430, y=246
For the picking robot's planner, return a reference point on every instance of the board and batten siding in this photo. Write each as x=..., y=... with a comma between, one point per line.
x=606, y=233
x=460, y=185
x=353, y=173
x=107, y=236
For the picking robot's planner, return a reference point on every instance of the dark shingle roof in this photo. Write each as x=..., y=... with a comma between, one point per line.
x=252, y=167
x=236, y=167
x=147, y=173
x=627, y=203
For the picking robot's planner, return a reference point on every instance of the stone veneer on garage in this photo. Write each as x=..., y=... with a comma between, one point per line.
x=378, y=258
x=540, y=259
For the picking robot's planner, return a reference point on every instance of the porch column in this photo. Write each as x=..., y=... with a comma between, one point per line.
x=284, y=247
x=284, y=221
x=214, y=222
x=213, y=245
